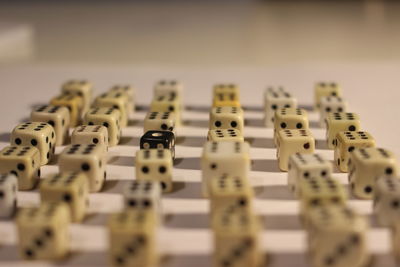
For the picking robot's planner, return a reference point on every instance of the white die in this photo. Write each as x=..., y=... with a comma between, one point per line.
x=8, y=195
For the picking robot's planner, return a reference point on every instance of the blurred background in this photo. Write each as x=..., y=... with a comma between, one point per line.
x=235, y=32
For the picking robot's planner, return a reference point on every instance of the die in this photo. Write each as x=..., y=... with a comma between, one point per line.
x=337, y=237
x=8, y=195
x=169, y=87
x=38, y=134
x=366, y=165
x=89, y=159
x=220, y=135
x=218, y=158
x=291, y=141
x=346, y=142
x=117, y=100
x=57, y=117
x=71, y=188
x=128, y=90
x=168, y=103
x=158, y=140
x=155, y=165
x=23, y=162
x=160, y=121
x=80, y=88
x=227, y=190
x=90, y=134
x=290, y=118
x=143, y=194
x=43, y=232
x=226, y=95
x=386, y=202
x=329, y=104
x=274, y=99
x=226, y=117
x=338, y=122
x=109, y=118
x=303, y=166
x=325, y=89
x=236, y=239
x=75, y=106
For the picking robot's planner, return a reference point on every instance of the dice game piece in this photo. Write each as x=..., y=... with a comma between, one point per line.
x=290, y=118
x=325, y=89
x=220, y=135
x=90, y=134
x=226, y=95
x=291, y=141
x=130, y=91
x=82, y=89
x=227, y=190
x=160, y=121
x=226, y=118
x=158, y=140
x=89, y=159
x=274, y=99
x=23, y=162
x=57, y=117
x=8, y=195
x=169, y=87
x=75, y=105
x=70, y=188
x=38, y=134
x=43, y=232
x=387, y=201
x=303, y=166
x=337, y=237
x=346, y=142
x=339, y=122
x=236, y=239
x=218, y=158
x=109, y=118
x=117, y=100
x=155, y=165
x=143, y=194
x=330, y=104
x=168, y=103
x=366, y=165
x=132, y=238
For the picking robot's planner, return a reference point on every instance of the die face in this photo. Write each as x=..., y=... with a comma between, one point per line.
x=275, y=99
x=158, y=140
x=338, y=122
x=168, y=87
x=143, y=195
x=23, y=162
x=226, y=117
x=73, y=103
x=226, y=95
x=90, y=134
x=8, y=195
x=130, y=92
x=38, y=134
x=57, y=117
x=291, y=118
x=89, y=159
x=117, y=100
x=220, y=135
x=387, y=200
x=70, y=188
x=331, y=104
x=80, y=88
x=326, y=89
x=159, y=121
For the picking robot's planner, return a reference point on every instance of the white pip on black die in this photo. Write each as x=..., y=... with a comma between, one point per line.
x=8, y=195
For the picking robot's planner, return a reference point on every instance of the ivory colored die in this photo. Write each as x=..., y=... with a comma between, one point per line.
x=90, y=134
x=130, y=91
x=387, y=200
x=117, y=100
x=219, y=135
x=226, y=95
x=156, y=121
x=325, y=89
x=330, y=104
x=8, y=195
x=143, y=194
x=274, y=99
x=168, y=103
x=339, y=122
x=290, y=118
x=81, y=88
x=226, y=118
x=75, y=105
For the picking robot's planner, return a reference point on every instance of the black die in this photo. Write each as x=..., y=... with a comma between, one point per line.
x=158, y=140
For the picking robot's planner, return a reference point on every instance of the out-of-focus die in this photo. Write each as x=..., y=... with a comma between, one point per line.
x=70, y=188
x=80, y=88
x=155, y=165
x=130, y=91
x=74, y=104
x=337, y=237
x=303, y=166
x=158, y=140
x=8, y=195
x=346, y=142
x=290, y=118
x=117, y=100
x=170, y=87
x=89, y=159
x=274, y=99
x=218, y=158
x=366, y=165
x=133, y=238
x=387, y=200
x=57, y=117
x=226, y=117
x=291, y=141
x=226, y=95
x=143, y=194
x=38, y=134
x=43, y=232
x=90, y=134
x=159, y=121
x=325, y=89
x=330, y=104
x=339, y=122
x=218, y=135
x=109, y=118
x=23, y=162
x=168, y=103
